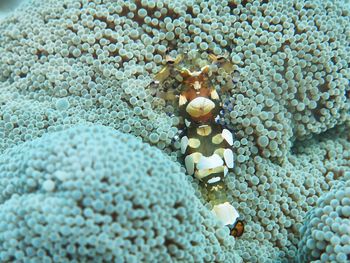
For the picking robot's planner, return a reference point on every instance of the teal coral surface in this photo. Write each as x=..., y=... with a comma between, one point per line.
x=93, y=194
x=69, y=69
x=326, y=233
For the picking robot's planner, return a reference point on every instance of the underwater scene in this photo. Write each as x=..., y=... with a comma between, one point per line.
x=175, y=131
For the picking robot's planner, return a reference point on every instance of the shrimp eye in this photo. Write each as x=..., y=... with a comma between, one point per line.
x=169, y=60
x=220, y=58
x=237, y=229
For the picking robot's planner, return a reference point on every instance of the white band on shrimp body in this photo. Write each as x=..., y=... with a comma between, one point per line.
x=226, y=213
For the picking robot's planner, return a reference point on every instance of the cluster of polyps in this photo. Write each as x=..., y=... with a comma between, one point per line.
x=205, y=144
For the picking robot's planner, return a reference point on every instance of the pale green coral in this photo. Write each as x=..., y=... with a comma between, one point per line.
x=63, y=57
x=295, y=74
x=97, y=53
x=75, y=196
x=325, y=235
x=68, y=62
x=274, y=199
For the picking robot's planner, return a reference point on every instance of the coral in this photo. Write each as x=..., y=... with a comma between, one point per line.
x=325, y=235
x=70, y=62
x=75, y=196
x=274, y=199
x=98, y=55
x=294, y=75
x=62, y=58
